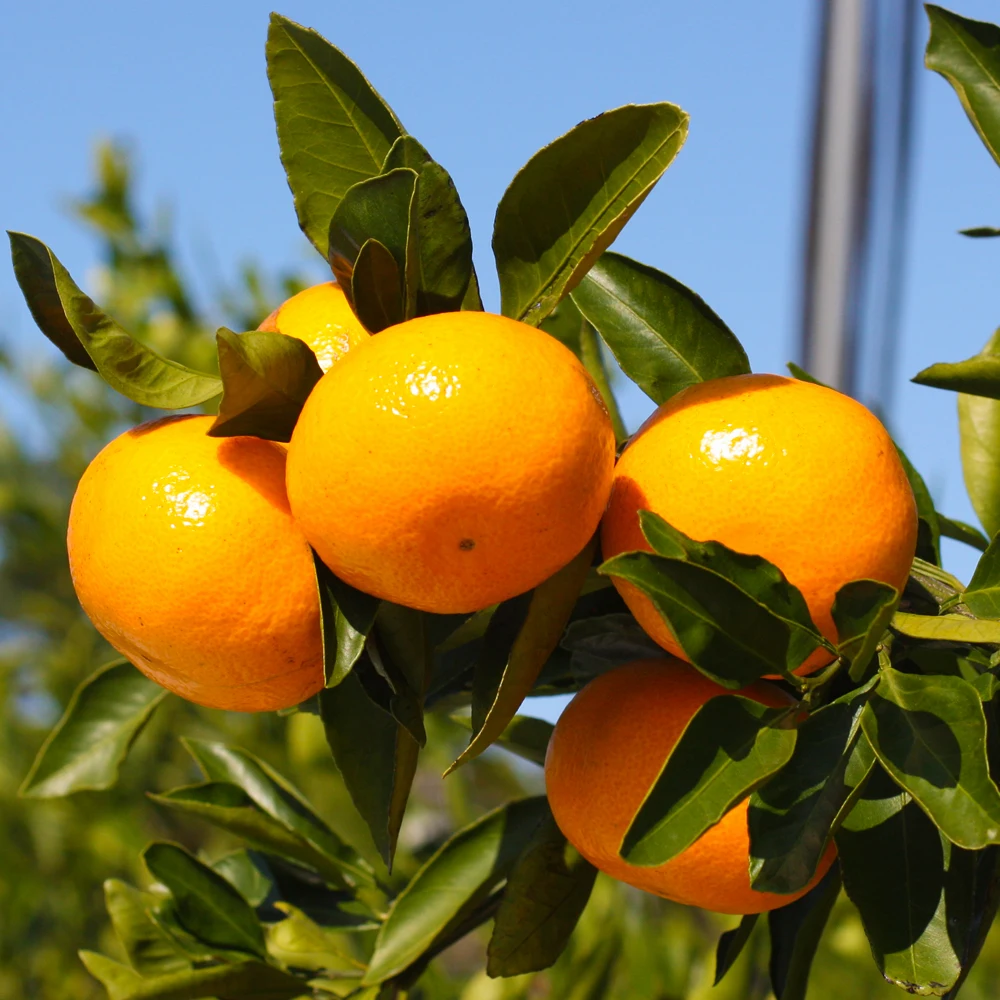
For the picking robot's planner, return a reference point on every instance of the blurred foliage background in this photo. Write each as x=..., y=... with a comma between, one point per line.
x=55, y=855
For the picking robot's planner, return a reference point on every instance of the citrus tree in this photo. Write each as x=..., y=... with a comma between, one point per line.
x=784, y=692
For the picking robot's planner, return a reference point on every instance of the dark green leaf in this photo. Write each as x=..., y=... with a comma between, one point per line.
x=792, y=816
x=346, y=616
x=463, y=870
x=205, y=903
x=862, y=611
x=802, y=375
x=100, y=724
x=229, y=807
x=573, y=197
x=376, y=288
x=546, y=892
x=947, y=628
x=980, y=231
x=266, y=378
x=77, y=327
x=663, y=335
x=605, y=641
x=550, y=607
x=240, y=871
x=375, y=755
x=731, y=945
x=405, y=152
x=241, y=981
x=929, y=733
x=333, y=128
x=730, y=746
x=795, y=931
x=279, y=800
x=525, y=736
x=968, y=534
x=149, y=951
x=967, y=54
x=982, y=596
x=929, y=533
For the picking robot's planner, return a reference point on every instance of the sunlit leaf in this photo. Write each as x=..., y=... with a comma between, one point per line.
x=947, y=628
x=982, y=595
x=149, y=951
x=862, y=611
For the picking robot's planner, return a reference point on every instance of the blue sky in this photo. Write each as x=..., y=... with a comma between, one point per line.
x=483, y=87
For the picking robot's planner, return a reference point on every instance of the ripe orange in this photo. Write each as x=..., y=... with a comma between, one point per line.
x=607, y=749
x=323, y=318
x=186, y=558
x=451, y=462
x=794, y=472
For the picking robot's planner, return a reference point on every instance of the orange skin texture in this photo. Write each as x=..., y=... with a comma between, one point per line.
x=322, y=317
x=797, y=473
x=606, y=752
x=451, y=462
x=185, y=556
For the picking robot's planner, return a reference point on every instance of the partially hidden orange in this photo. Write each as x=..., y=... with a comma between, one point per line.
x=795, y=472
x=186, y=558
x=451, y=462
x=322, y=317
x=605, y=753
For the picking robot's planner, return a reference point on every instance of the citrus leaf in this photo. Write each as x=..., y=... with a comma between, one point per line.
x=333, y=128
x=525, y=736
x=567, y=204
x=376, y=756
x=546, y=893
x=663, y=336
x=462, y=871
x=795, y=931
x=230, y=808
x=929, y=733
x=149, y=951
x=929, y=529
x=101, y=722
x=980, y=231
x=967, y=54
x=300, y=943
x=346, y=617
x=603, y=642
x=279, y=800
x=550, y=607
x=793, y=815
x=243, y=874
x=979, y=433
x=205, y=903
x=960, y=531
x=376, y=288
x=982, y=595
x=862, y=611
x=72, y=321
x=405, y=152
x=977, y=376
x=266, y=378
x=947, y=628
x=730, y=746
x=240, y=981
x=731, y=945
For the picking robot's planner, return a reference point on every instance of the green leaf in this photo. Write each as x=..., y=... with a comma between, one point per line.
x=205, y=903
x=862, y=611
x=793, y=815
x=795, y=931
x=980, y=231
x=731, y=745
x=603, y=642
x=663, y=336
x=967, y=54
x=567, y=204
x=333, y=128
x=525, y=736
x=266, y=378
x=461, y=872
x=376, y=756
x=279, y=800
x=550, y=607
x=546, y=892
x=243, y=874
x=947, y=628
x=982, y=595
x=979, y=432
x=929, y=529
x=72, y=321
x=968, y=534
x=300, y=943
x=241, y=981
x=230, y=808
x=929, y=733
x=802, y=375
x=376, y=288
x=731, y=945
x=405, y=152
x=346, y=617
x=977, y=376
x=101, y=722
x=149, y=951
x=893, y=864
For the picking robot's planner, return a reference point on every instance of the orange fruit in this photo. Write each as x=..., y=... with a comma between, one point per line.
x=605, y=753
x=451, y=462
x=322, y=317
x=797, y=473
x=185, y=556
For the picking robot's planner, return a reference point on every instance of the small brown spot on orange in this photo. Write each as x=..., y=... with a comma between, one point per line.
x=466, y=544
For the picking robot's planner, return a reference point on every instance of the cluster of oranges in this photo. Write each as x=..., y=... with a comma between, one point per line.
x=450, y=463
